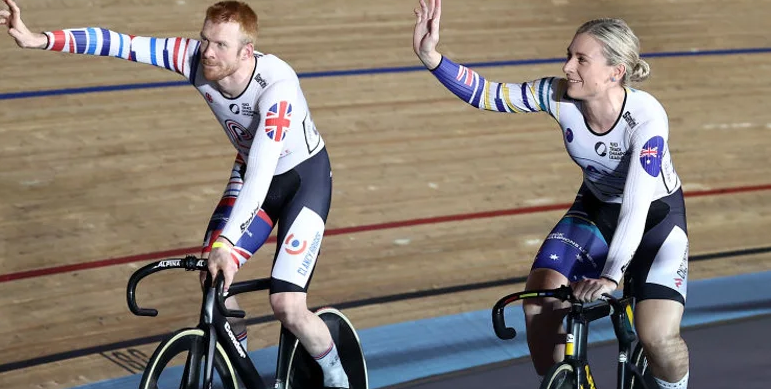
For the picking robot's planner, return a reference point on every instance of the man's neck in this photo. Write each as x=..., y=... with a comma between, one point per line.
x=235, y=84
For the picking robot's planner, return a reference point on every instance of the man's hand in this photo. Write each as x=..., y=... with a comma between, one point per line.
x=16, y=28
x=588, y=289
x=221, y=259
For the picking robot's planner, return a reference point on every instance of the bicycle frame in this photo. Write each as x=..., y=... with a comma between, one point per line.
x=578, y=319
x=214, y=324
x=216, y=327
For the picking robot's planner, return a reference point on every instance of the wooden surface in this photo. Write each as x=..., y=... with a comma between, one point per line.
x=87, y=177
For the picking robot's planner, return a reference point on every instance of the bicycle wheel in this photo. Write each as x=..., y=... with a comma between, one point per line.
x=640, y=362
x=305, y=373
x=178, y=363
x=560, y=376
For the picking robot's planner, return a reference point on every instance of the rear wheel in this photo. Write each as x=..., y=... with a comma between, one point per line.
x=305, y=373
x=640, y=362
x=560, y=376
x=178, y=363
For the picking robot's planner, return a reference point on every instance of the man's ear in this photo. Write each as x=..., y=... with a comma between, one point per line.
x=247, y=51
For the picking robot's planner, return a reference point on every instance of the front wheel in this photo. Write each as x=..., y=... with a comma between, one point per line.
x=640, y=362
x=186, y=348
x=560, y=376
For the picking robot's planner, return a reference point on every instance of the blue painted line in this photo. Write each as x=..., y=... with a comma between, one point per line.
x=356, y=72
x=106, y=88
x=407, y=351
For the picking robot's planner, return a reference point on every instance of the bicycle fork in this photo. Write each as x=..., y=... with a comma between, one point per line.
x=577, y=338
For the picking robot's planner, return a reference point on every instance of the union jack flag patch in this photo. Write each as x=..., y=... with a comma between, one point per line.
x=277, y=120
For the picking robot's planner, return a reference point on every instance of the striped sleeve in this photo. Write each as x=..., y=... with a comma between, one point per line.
x=468, y=85
x=176, y=54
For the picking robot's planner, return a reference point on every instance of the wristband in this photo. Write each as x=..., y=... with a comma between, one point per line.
x=217, y=245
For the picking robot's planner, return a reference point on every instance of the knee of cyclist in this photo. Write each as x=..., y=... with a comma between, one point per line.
x=533, y=307
x=658, y=342
x=543, y=308
x=287, y=311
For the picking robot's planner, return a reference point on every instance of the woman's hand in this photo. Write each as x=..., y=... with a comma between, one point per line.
x=426, y=35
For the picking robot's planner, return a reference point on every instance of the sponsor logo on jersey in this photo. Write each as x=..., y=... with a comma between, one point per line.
x=615, y=151
x=569, y=135
x=260, y=80
x=238, y=133
x=307, y=262
x=247, y=110
x=629, y=119
x=294, y=246
x=248, y=221
x=650, y=155
x=682, y=270
x=601, y=149
x=234, y=108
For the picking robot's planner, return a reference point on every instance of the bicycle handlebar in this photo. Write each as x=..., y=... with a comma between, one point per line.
x=563, y=293
x=221, y=299
x=189, y=263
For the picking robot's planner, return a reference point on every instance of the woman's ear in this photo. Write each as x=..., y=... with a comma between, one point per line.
x=618, y=73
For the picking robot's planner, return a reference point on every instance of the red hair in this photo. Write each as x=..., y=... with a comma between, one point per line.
x=238, y=12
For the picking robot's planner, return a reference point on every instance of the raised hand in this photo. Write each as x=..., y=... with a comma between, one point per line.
x=426, y=35
x=16, y=28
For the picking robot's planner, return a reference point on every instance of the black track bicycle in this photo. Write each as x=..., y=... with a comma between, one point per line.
x=210, y=355
x=573, y=372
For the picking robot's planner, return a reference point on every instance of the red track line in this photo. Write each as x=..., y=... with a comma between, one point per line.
x=344, y=230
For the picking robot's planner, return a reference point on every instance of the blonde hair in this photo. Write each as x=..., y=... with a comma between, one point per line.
x=620, y=46
x=238, y=12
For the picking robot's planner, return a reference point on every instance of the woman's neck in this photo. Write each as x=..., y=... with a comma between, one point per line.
x=602, y=113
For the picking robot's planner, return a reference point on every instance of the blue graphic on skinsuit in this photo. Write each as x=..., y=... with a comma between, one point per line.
x=255, y=234
x=575, y=248
x=650, y=156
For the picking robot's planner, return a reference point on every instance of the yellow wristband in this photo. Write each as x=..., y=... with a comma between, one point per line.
x=217, y=245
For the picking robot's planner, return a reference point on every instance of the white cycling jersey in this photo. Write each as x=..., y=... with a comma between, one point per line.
x=269, y=123
x=630, y=164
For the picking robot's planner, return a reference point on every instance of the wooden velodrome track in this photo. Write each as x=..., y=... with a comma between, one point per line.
x=89, y=177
